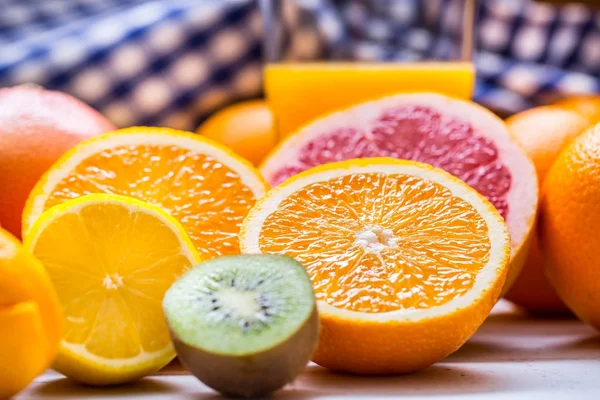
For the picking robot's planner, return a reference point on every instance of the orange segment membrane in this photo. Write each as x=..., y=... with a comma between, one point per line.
x=378, y=242
x=207, y=197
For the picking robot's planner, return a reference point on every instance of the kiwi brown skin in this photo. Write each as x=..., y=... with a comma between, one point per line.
x=255, y=374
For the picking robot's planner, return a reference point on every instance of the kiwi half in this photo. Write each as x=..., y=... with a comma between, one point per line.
x=244, y=325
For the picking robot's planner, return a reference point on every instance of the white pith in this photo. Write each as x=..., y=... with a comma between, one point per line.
x=113, y=281
x=522, y=197
x=83, y=152
x=373, y=239
x=486, y=278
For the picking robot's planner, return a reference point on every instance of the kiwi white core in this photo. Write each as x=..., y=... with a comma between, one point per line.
x=240, y=305
x=244, y=303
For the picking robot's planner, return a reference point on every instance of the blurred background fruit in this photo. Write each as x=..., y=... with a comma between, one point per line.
x=587, y=106
x=569, y=221
x=543, y=132
x=36, y=127
x=247, y=128
x=30, y=317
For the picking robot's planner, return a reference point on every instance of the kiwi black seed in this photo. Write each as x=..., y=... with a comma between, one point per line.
x=244, y=325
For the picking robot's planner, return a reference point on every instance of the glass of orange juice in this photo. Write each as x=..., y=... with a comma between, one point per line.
x=360, y=50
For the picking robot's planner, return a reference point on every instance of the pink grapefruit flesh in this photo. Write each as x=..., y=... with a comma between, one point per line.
x=458, y=136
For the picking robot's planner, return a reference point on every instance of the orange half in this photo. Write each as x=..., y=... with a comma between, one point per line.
x=204, y=185
x=406, y=260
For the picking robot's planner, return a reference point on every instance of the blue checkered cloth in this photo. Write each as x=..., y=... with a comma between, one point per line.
x=172, y=62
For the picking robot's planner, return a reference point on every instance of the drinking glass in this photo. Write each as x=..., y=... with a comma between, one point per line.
x=321, y=56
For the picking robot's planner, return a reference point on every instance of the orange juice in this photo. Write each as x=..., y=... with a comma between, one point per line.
x=300, y=92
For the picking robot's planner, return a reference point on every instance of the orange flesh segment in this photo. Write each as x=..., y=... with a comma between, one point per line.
x=207, y=197
x=380, y=242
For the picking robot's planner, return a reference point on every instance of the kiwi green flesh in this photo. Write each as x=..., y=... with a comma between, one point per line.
x=240, y=305
x=252, y=375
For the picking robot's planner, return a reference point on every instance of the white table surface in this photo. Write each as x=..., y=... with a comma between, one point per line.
x=511, y=357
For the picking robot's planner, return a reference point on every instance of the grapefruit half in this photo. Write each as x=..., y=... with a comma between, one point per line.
x=458, y=136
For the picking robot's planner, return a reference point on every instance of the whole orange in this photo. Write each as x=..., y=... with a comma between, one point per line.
x=247, y=128
x=569, y=224
x=543, y=132
x=587, y=106
x=36, y=127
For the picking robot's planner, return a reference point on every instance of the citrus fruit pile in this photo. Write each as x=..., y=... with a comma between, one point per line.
x=115, y=221
x=391, y=230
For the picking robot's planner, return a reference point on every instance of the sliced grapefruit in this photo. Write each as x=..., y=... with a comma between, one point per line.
x=406, y=260
x=459, y=136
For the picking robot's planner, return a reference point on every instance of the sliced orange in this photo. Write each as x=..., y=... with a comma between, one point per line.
x=111, y=259
x=204, y=185
x=406, y=260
